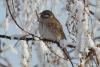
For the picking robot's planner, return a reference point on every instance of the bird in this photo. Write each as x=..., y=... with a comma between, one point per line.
x=50, y=27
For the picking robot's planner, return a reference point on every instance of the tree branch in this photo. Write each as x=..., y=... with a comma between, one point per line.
x=15, y=38
x=26, y=38
x=15, y=20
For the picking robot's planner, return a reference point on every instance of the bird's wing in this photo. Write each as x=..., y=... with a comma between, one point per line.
x=55, y=27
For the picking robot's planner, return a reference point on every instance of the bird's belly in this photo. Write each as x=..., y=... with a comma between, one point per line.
x=46, y=33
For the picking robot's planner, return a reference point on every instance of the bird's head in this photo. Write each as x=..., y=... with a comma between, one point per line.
x=46, y=14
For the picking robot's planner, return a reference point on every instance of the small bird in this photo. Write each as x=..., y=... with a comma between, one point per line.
x=50, y=27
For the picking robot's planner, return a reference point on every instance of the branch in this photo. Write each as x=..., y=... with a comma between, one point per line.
x=15, y=38
x=91, y=12
x=26, y=38
x=15, y=20
x=90, y=55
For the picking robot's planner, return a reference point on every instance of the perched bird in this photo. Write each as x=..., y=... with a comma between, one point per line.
x=50, y=27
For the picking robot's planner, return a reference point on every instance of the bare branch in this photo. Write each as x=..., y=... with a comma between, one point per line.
x=15, y=20
x=15, y=38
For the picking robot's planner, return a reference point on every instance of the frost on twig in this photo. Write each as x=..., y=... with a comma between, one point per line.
x=81, y=44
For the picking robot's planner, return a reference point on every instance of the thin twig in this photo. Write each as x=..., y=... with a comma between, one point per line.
x=37, y=15
x=67, y=56
x=15, y=20
x=53, y=52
